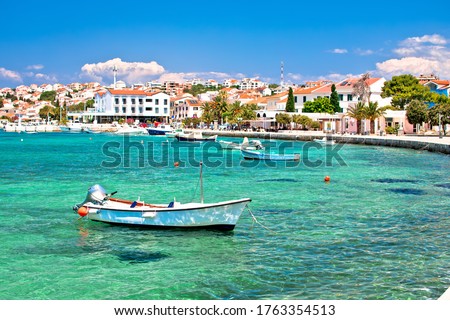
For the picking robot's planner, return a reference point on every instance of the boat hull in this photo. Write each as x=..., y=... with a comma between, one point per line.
x=189, y=138
x=156, y=132
x=221, y=215
x=255, y=155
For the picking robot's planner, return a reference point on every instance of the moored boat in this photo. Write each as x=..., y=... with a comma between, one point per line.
x=325, y=141
x=261, y=155
x=160, y=130
x=194, y=137
x=100, y=206
x=246, y=144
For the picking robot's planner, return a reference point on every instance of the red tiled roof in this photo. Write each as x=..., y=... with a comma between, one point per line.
x=127, y=92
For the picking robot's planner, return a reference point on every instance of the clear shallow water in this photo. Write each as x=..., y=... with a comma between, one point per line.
x=379, y=230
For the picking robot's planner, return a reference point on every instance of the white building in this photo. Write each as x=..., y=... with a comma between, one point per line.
x=185, y=107
x=137, y=104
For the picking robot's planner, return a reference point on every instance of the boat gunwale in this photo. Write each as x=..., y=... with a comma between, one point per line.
x=167, y=209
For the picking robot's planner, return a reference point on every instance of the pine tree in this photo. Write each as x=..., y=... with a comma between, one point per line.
x=334, y=99
x=290, y=104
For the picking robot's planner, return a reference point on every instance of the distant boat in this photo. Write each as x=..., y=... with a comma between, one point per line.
x=261, y=155
x=126, y=129
x=74, y=127
x=100, y=206
x=173, y=133
x=194, y=136
x=160, y=130
x=324, y=140
x=246, y=144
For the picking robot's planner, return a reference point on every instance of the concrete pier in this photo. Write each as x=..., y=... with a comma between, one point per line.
x=428, y=143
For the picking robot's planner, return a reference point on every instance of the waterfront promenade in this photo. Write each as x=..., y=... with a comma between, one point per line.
x=430, y=143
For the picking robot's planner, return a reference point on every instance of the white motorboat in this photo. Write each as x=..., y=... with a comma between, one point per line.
x=246, y=144
x=325, y=141
x=126, y=129
x=100, y=206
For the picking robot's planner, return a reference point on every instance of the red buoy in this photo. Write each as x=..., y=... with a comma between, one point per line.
x=327, y=179
x=176, y=164
x=83, y=211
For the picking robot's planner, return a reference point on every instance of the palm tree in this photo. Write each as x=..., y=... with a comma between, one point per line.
x=220, y=104
x=357, y=112
x=372, y=112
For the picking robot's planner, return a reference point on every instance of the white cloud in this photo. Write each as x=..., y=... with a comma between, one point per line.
x=10, y=75
x=362, y=52
x=130, y=72
x=419, y=55
x=339, y=51
x=184, y=76
x=35, y=67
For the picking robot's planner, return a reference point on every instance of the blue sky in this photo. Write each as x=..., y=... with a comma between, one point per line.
x=49, y=41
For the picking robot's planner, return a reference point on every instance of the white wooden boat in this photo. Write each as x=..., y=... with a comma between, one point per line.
x=246, y=144
x=100, y=206
x=194, y=137
x=261, y=155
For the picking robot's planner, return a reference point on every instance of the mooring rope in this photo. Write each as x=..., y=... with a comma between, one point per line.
x=255, y=220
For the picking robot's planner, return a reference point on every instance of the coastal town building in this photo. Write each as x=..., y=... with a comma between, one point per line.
x=114, y=105
x=185, y=107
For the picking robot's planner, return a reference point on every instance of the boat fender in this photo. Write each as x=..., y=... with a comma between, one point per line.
x=93, y=210
x=83, y=211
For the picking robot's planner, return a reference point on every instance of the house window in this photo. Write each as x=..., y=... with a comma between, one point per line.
x=141, y=101
x=148, y=109
x=133, y=101
x=116, y=110
x=157, y=109
x=304, y=98
x=141, y=110
x=124, y=110
x=349, y=97
x=133, y=109
x=195, y=108
x=165, y=102
x=165, y=110
x=148, y=100
x=295, y=99
x=116, y=100
x=341, y=97
x=156, y=101
x=124, y=100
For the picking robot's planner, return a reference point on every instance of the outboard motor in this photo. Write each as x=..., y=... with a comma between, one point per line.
x=96, y=195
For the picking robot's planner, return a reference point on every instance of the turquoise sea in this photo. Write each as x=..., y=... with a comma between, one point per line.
x=378, y=230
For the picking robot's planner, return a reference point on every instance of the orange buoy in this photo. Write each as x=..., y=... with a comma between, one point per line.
x=326, y=179
x=83, y=211
x=176, y=164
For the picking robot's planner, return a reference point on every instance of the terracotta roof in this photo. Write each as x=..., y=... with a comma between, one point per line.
x=127, y=92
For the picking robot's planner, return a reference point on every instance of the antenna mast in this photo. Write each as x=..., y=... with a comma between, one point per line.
x=115, y=74
x=282, y=74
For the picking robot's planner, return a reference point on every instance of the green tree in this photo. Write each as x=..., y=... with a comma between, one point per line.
x=208, y=112
x=319, y=105
x=220, y=104
x=403, y=89
x=441, y=110
x=46, y=112
x=284, y=119
x=302, y=120
x=334, y=99
x=372, y=112
x=191, y=122
x=417, y=112
x=357, y=112
x=48, y=96
x=290, y=104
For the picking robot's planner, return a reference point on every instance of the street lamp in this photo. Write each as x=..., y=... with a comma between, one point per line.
x=440, y=131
